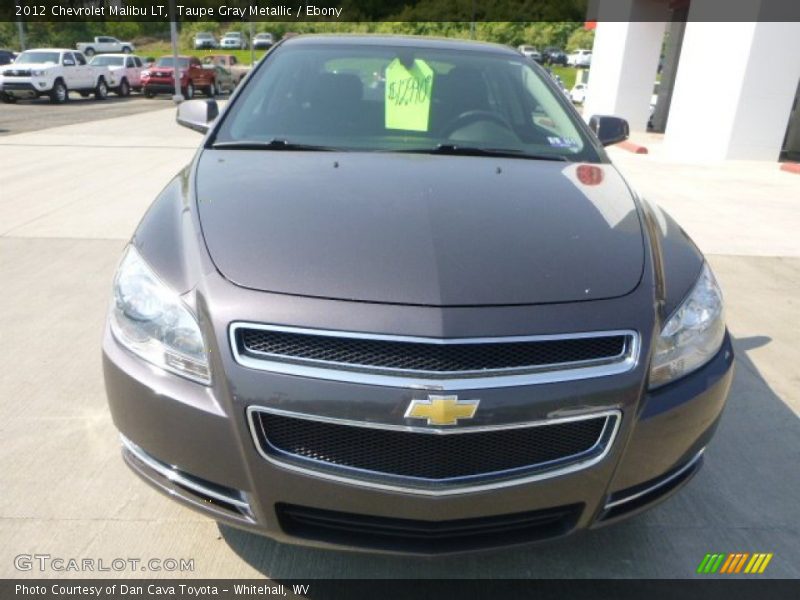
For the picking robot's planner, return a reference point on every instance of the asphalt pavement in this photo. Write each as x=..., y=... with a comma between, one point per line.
x=34, y=115
x=70, y=198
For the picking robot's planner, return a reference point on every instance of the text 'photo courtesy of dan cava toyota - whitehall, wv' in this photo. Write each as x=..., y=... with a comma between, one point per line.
x=402, y=301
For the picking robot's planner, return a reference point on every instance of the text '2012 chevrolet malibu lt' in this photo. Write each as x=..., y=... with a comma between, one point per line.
x=400, y=300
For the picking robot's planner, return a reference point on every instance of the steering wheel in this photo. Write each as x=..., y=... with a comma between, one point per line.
x=473, y=116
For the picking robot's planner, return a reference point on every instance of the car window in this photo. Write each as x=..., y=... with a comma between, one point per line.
x=36, y=57
x=233, y=60
x=137, y=61
x=383, y=98
x=105, y=60
x=166, y=61
x=79, y=58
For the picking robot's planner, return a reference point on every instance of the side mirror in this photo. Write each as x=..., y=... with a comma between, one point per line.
x=609, y=130
x=197, y=114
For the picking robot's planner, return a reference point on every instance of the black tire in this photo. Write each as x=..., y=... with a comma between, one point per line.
x=149, y=94
x=126, y=50
x=124, y=89
x=188, y=91
x=59, y=94
x=212, y=90
x=101, y=91
x=89, y=52
x=6, y=99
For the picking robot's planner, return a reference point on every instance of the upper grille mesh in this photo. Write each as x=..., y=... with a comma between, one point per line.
x=411, y=356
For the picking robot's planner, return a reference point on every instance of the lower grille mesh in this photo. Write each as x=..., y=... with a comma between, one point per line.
x=425, y=455
x=425, y=536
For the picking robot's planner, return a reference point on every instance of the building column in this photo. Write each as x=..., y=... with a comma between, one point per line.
x=734, y=89
x=625, y=59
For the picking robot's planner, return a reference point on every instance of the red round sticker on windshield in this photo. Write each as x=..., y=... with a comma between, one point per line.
x=590, y=174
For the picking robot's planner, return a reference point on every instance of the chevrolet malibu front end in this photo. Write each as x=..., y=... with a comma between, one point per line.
x=419, y=312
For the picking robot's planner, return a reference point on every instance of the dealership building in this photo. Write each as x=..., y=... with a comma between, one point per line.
x=727, y=91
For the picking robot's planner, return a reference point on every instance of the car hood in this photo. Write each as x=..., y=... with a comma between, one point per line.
x=419, y=229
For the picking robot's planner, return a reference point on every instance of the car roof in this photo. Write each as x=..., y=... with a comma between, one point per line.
x=408, y=41
x=50, y=50
x=114, y=54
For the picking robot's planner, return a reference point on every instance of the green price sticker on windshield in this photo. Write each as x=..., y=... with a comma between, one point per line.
x=408, y=95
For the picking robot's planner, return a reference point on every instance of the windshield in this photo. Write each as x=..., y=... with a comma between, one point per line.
x=30, y=58
x=204, y=36
x=166, y=61
x=368, y=97
x=108, y=61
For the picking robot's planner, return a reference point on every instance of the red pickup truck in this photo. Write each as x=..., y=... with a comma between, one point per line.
x=158, y=79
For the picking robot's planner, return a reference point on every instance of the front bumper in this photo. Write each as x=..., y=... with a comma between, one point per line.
x=160, y=85
x=195, y=444
x=26, y=89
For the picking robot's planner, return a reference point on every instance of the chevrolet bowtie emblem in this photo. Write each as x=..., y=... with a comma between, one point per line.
x=442, y=410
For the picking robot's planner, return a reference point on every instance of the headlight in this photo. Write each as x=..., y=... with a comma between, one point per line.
x=145, y=73
x=693, y=334
x=38, y=72
x=151, y=321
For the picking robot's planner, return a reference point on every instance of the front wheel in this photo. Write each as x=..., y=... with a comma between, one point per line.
x=124, y=89
x=6, y=99
x=212, y=90
x=89, y=52
x=188, y=92
x=126, y=50
x=101, y=91
x=59, y=95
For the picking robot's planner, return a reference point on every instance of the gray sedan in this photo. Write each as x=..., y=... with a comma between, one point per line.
x=402, y=301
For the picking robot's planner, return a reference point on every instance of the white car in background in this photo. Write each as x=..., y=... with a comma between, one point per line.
x=204, y=40
x=126, y=71
x=234, y=40
x=531, y=52
x=104, y=45
x=578, y=93
x=53, y=72
x=580, y=58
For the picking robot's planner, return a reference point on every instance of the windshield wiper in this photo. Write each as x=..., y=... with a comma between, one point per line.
x=456, y=150
x=274, y=144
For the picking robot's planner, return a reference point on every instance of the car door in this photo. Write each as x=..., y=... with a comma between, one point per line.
x=84, y=71
x=202, y=77
x=132, y=72
x=69, y=70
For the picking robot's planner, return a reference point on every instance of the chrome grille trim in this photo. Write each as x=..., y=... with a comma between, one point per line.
x=603, y=446
x=459, y=380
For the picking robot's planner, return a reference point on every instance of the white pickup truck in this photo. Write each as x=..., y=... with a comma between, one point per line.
x=104, y=45
x=53, y=72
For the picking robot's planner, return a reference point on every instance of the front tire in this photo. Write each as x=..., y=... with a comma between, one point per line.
x=89, y=52
x=126, y=50
x=101, y=91
x=6, y=99
x=59, y=93
x=188, y=91
x=212, y=91
x=124, y=89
